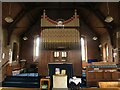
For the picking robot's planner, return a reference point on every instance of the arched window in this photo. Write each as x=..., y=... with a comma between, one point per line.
x=36, y=48
x=15, y=52
x=83, y=48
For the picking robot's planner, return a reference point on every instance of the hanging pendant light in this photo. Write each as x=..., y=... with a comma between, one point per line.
x=109, y=18
x=25, y=38
x=9, y=19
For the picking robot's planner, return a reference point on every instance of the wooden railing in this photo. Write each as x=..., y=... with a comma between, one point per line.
x=5, y=64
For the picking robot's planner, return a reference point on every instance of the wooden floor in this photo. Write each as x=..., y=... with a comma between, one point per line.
x=12, y=88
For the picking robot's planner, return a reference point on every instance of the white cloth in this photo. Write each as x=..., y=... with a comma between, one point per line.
x=76, y=80
x=59, y=81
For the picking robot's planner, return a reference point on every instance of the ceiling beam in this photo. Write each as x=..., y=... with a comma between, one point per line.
x=55, y=5
x=18, y=17
x=10, y=27
x=34, y=20
x=100, y=16
x=87, y=23
x=109, y=26
x=31, y=18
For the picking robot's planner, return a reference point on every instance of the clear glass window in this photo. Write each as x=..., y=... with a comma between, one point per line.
x=56, y=54
x=36, y=47
x=64, y=54
x=83, y=49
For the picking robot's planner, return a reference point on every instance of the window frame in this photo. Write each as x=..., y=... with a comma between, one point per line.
x=61, y=57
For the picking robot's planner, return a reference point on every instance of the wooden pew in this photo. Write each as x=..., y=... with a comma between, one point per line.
x=109, y=84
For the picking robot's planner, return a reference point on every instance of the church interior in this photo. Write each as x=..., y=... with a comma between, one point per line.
x=60, y=45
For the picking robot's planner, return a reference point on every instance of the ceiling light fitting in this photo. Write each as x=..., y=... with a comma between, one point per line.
x=9, y=19
x=95, y=38
x=109, y=18
x=25, y=38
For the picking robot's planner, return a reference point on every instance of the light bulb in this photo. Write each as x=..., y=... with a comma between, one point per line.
x=108, y=19
x=9, y=19
x=25, y=38
x=95, y=38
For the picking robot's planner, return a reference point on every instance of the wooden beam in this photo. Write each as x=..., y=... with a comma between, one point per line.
x=100, y=16
x=87, y=23
x=16, y=20
x=18, y=17
x=109, y=26
x=34, y=20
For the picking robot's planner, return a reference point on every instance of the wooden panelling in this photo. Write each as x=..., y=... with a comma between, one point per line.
x=107, y=75
x=99, y=75
x=116, y=75
x=4, y=70
x=93, y=76
x=75, y=59
x=47, y=57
